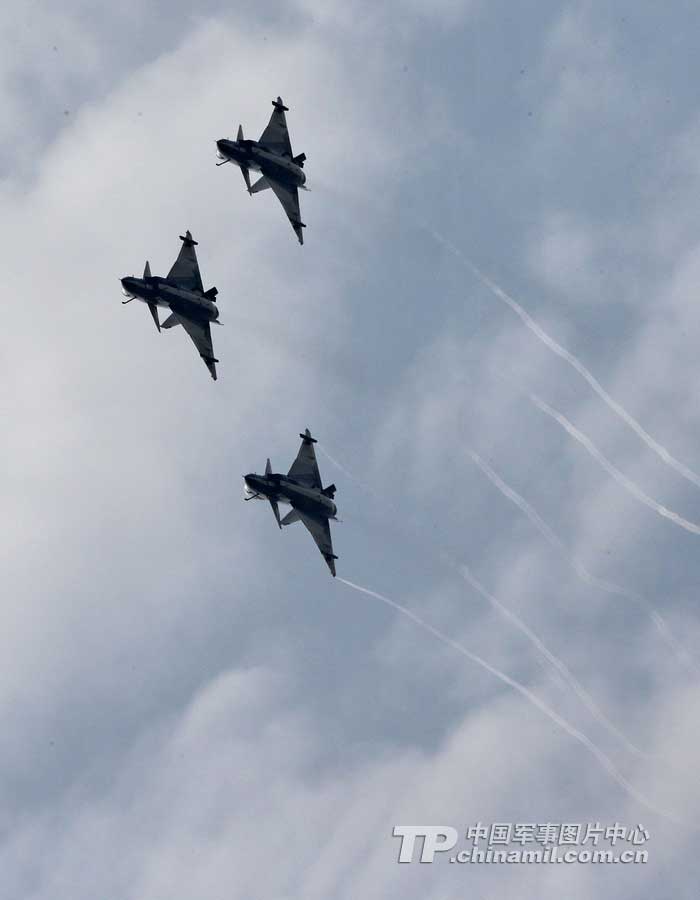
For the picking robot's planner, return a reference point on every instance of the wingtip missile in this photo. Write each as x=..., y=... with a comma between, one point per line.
x=330, y=562
x=297, y=226
x=210, y=362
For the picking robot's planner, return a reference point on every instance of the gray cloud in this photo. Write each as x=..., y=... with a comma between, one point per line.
x=189, y=704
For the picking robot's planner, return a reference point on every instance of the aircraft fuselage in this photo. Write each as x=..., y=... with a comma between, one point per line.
x=285, y=490
x=161, y=292
x=250, y=155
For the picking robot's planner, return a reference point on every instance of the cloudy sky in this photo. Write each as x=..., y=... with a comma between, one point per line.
x=189, y=705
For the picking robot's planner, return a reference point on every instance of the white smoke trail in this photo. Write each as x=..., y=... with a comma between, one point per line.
x=532, y=698
x=556, y=542
x=615, y=473
x=558, y=664
x=564, y=673
x=341, y=468
x=568, y=357
x=549, y=535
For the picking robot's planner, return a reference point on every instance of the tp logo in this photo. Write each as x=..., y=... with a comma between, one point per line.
x=436, y=839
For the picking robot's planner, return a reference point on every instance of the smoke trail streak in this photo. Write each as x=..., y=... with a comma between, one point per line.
x=341, y=468
x=615, y=473
x=532, y=698
x=558, y=664
x=556, y=542
x=563, y=672
x=553, y=539
x=568, y=357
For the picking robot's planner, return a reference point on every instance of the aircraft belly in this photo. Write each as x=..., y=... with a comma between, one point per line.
x=281, y=173
x=248, y=162
x=158, y=300
x=189, y=305
x=304, y=499
x=242, y=159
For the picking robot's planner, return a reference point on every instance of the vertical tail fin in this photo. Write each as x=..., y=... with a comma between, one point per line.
x=147, y=270
x=268, y=467
x=240, y=133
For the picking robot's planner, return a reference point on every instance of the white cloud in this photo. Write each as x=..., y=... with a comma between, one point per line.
x=397, y=18
x=123, y=460
x=190, y=706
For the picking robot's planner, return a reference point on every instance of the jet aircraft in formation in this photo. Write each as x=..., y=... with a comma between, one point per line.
x=302, y=489
x=183, y=294
x=271, y=156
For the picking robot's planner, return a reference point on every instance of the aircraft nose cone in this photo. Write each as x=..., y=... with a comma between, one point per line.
x=222, y=148
x=253, y=485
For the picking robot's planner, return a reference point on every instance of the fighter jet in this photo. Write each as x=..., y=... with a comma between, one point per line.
x=182, y=292
x=301, y=488
x=272, y=156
